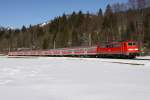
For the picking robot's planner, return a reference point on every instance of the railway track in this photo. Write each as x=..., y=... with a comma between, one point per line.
x=135, y=62
x=140, y=59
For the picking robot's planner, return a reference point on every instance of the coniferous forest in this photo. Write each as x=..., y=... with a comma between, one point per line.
x=117, y=23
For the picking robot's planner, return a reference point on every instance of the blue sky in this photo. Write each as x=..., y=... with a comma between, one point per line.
x=16, y=13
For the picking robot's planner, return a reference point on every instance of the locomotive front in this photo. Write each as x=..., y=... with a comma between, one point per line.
x=131, y=49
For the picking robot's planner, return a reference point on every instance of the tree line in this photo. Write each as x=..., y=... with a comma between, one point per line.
x=117, y=23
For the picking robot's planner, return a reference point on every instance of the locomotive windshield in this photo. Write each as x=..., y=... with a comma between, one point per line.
x=131, y=44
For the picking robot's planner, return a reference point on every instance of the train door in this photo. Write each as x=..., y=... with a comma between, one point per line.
x=123, y=47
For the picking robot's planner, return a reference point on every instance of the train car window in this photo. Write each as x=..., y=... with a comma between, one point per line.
x=117, y=45
x=107, y=46
x=134, y=43
x=69, y=50
x=130, y=44
x=103, y=45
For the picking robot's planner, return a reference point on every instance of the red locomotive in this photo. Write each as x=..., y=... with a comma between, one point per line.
x=128, y=49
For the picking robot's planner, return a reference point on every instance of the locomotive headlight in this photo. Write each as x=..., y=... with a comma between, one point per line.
x=130, y=49
x=136, y=49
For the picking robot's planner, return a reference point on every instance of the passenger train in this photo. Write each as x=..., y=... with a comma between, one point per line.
x=125, y=49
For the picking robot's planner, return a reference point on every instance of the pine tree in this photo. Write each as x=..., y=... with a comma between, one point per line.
x=100, y=12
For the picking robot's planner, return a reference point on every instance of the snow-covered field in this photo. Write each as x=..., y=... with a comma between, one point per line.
x=74, y=79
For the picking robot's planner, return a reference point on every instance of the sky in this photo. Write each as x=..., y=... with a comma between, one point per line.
x=16, y=13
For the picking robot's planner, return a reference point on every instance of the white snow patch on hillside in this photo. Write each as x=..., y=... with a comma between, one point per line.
x=73, y=79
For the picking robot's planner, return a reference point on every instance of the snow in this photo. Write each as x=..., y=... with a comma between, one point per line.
x=46, y=78
x=45, y=23
x=144, y=57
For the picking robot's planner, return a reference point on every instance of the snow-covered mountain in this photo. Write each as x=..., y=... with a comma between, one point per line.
x=6, y=28
x=1, y=28
x=10, y=28
x=43, y=24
